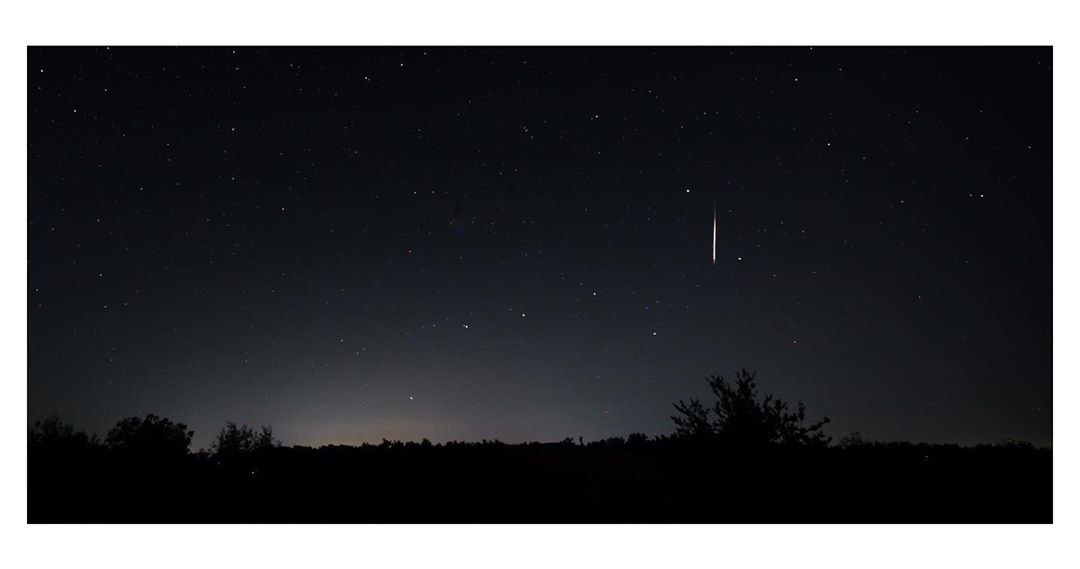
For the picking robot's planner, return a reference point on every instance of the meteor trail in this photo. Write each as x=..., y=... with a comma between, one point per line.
x=714, y=232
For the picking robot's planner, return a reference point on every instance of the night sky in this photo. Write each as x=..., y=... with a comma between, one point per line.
x=353, y=244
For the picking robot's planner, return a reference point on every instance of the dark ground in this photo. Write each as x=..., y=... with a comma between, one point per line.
x=640, y=480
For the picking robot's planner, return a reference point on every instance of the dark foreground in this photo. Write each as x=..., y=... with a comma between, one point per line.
x=656, y=481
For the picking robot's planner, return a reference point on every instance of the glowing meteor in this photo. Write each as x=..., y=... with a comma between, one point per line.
x=714, y=233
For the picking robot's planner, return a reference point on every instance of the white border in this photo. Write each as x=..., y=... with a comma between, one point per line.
x=559, y=22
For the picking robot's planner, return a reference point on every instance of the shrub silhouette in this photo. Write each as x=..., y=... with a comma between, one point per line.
x=741, y=417
x=151, y=435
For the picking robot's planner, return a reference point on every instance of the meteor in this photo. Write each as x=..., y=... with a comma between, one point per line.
x=714, y=232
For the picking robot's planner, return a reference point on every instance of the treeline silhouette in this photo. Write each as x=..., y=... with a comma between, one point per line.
x=743, y=458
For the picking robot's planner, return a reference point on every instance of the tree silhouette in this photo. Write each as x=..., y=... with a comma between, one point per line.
x=264, y=439
x=854, y=440
x=52, y=433
x=639, y=478
x=692, y=420
x=235, y=440
x=740, y=416
x=151, y=435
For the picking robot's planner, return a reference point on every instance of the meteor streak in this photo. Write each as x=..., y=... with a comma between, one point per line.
x=714, y=232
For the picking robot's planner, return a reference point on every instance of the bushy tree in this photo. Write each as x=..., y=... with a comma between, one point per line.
x=741, y=416
x=150, y=435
